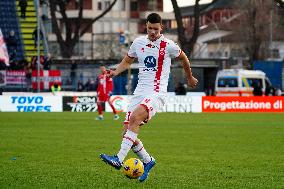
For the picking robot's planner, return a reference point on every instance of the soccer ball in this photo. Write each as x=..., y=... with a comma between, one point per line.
x=133, y=168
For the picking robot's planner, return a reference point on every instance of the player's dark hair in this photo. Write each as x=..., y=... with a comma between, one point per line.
x=154, y=18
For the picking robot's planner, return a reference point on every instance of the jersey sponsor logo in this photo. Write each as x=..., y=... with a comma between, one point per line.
x=150, y=63
x=150, y=46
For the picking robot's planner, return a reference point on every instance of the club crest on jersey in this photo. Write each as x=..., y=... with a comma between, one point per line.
x=150, y=63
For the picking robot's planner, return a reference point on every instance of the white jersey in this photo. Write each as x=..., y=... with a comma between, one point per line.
x=154, y=58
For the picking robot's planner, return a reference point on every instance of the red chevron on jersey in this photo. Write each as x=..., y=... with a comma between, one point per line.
x=161, y=57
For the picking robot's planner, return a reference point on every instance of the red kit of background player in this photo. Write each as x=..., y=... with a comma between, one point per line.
x=104, y=90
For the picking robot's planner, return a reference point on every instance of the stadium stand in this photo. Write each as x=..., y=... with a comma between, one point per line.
x=8, y=22
x=28, y=25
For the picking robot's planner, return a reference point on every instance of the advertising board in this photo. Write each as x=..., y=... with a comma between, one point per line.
x=243, y=104
x=30, y=103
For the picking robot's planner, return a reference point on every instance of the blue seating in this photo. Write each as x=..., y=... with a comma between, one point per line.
x=9, y=21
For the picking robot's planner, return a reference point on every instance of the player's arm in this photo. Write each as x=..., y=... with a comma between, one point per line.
x=191, y=81
x=122, y=66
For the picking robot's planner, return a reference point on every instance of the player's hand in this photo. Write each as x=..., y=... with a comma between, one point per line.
x=192, y=82
x=111, y=73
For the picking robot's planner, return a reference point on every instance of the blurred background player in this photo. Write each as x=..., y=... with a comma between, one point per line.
x=154, y=53
x=104, y=90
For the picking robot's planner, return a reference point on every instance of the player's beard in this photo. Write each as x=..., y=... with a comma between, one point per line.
x=154, y=37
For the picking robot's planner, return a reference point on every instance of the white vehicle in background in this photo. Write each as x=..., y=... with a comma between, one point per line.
x=239, y=82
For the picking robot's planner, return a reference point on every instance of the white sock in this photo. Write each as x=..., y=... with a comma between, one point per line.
x=126, y=144
x=141, y=152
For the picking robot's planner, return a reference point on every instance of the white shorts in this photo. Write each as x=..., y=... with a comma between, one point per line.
x=152, y=104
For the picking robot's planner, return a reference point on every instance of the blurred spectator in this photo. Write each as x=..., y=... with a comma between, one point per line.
x=81, y=77
x=180, y=89
x=90, y=85
x=68, y=82
x=2, y=65
x=257, y=90
x=2, y=81
x=269, y=91
x=44, y=5
x=11, y=42
x=23, y=63
x=29, y=70
x=34, y=62
x=87, y=84
x=14, y=65
x=23, y=4
x=73, y=71
x=47, y=62
x=35, y=37
x=80, y=86
x=209, y=91
x=55, y=88
x=278, y=91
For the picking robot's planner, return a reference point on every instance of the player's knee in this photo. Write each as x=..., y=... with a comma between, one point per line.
x=136, y=142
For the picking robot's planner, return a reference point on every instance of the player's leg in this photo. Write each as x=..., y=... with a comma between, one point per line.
x=139, y=149
x=137, y=116
x=100, y=111
x=100, y=103
x=116, y=117
x=152, y=105
x=130, y=136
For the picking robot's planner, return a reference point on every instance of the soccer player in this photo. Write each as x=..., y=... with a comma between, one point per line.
x=104, y=90
x=154, y=53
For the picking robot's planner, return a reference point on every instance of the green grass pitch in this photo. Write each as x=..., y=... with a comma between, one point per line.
x=206, y=150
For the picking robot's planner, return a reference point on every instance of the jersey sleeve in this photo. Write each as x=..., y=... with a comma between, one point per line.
x=110, y=84
x=174, y=50
x=132, y=50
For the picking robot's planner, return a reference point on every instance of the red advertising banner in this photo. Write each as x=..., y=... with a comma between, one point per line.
x=46, y=78
x=243, y=104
